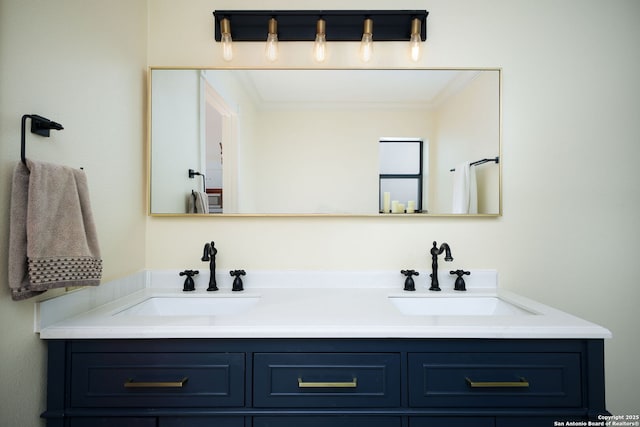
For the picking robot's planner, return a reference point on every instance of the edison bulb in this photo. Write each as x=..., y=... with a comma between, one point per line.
x=414, y=47
x=227, y=47
x=415, y=41
x=271, y=48
x=320, y=44
x=320, y=48
x=366, y=47
x=225, y=39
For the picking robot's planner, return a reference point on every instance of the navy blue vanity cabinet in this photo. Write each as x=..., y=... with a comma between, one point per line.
x=324, y=382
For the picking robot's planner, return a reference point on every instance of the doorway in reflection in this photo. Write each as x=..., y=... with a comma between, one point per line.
x=213, y=119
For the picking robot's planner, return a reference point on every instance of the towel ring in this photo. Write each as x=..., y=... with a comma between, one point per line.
x=40, y=126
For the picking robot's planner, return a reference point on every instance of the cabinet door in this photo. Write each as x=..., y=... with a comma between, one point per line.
x=331, y=421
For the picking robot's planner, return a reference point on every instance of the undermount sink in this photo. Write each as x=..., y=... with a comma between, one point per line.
x=456, y=306
x=191, y=306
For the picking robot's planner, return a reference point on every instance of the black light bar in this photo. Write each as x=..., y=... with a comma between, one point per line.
x=300, y=25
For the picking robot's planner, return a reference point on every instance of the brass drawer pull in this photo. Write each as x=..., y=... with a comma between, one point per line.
x=159, y=384
x=503, y=384
x=347, y=384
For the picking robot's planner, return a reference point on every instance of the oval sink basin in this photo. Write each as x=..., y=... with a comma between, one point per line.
x=456, y=306
x=191, y=306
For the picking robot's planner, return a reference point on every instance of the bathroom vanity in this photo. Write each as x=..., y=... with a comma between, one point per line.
x=318, y=382
x=319, y=355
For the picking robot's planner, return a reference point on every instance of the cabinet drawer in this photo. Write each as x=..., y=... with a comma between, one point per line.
x=157, y=379
x=113, y=422
x=530, y=421
x=326, y=380
x=494, y=379
x=324, y=421
x=452, y=421
x=201, y=422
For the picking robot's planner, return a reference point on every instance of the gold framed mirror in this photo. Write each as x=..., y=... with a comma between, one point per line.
x=307, y=141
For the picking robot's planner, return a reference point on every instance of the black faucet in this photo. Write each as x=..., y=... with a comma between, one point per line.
x=210, y=255
x=435, y=286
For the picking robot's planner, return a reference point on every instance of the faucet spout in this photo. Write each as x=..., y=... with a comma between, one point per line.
x=207, y=252
x=447, y=252
x=435, y=251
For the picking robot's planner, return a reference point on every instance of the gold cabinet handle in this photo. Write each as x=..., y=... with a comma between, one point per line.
x=346, y=384
x=155, y=384
x=502, y=384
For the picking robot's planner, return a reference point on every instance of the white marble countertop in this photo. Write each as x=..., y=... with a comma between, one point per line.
x=300, y=305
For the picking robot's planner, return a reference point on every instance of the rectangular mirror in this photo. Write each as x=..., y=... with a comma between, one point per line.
x=308, y=141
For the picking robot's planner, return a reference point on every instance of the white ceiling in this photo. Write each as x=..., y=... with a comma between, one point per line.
x=409, y=88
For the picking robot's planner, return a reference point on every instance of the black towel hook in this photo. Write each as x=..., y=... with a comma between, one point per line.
x=40, y=126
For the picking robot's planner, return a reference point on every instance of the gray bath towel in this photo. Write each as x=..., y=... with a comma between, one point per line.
x=198, y=202
x=52, y=236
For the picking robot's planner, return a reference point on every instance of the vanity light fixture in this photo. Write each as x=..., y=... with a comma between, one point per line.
x=271, y=48
x=321, y=27
x=225, y=30
x=415, y=41
x=320, y=43
x=366, y=44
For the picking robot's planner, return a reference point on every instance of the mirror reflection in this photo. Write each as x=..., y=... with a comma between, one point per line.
x=342, y=141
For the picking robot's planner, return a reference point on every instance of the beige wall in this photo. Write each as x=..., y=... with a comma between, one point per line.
x=335, y=172
x=81, y=63
x=569, y=236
